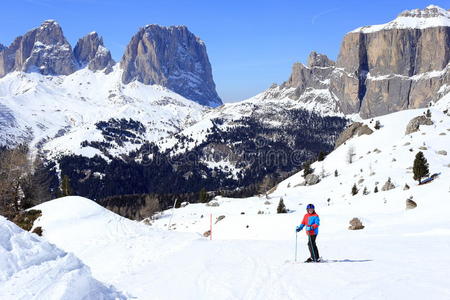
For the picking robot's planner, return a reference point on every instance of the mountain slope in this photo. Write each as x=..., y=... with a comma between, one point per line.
x=57, y=114
x=32, y=268
x=252, y=249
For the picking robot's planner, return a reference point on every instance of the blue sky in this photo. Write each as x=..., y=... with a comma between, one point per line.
x=251, y=44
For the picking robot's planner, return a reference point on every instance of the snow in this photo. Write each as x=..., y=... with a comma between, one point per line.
x=432, y=16
x=60, y=112
x=32, y=268
x=420, y=76
x=400, y=254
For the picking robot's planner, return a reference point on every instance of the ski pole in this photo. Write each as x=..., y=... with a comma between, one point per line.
x=312, y=248
x=296, y=246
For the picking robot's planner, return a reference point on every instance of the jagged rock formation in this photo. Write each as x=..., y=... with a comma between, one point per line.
x=399, y=65
x=172, y=57
x=43, y=49
x=90, y=51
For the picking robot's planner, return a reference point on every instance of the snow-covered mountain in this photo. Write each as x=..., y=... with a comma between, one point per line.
x=380, y=69
x=97, y=118
x=377, y=156
x=32, y=268
x=251, y=254
x=64, y=114
x=171, y=56
x=429, y=17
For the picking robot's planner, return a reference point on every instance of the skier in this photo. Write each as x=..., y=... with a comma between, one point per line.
x=311, y=221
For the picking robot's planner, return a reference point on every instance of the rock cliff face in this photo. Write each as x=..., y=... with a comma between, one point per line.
x=43, y=49
x=91, y=52
x=309, y=85
x=172, y=57
x=380, y=69
x=399, y=65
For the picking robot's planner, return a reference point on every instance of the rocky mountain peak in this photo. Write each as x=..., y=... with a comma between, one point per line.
x=431, y=16
x=90, y=51
x=431, y=11
x=173, y=57
x=319, y=60
x=43, y=49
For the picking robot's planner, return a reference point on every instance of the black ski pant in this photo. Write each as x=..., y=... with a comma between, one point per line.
x=313, y=247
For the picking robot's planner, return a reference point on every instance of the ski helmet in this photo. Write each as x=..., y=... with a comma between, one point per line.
x=310, y=206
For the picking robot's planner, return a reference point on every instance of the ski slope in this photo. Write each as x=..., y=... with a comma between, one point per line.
x=400, y=254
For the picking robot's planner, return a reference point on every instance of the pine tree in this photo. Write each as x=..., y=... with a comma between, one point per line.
x=281, y=209
x=377, y=125
x=66, y=189
x=365, y=191
x=375, y=190
x=307, y=169
x=321, y=156
x=203, y=196
x=420, y=167
x=354, y=189
x=336, y=174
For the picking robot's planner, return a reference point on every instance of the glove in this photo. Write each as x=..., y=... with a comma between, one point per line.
x=298, y=229
x=309, y=228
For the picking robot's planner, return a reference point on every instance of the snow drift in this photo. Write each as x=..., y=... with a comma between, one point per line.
x=31, y=268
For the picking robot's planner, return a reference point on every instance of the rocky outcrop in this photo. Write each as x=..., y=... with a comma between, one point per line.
x=311, y=179
x=415, y=123
x=90, y=51
x=355, y=224
x=388, y=185
x=441, y=152
x=172, y=57
x=355, y=129
x=410, y=204
x=43, y=49
x=399, y=65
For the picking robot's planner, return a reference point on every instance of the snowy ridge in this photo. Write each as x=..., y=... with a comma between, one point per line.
x=431, y=16
x=60, y=112
x=259, y=104
x=31, y=268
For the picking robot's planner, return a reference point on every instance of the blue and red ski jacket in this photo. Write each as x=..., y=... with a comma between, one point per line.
x=312, y=222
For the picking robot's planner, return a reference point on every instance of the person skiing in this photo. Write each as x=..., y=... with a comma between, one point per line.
x=312, y=222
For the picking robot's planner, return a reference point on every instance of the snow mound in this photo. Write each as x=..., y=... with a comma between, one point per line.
x=431, y=16
x=31, y=268
x=118, y=250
